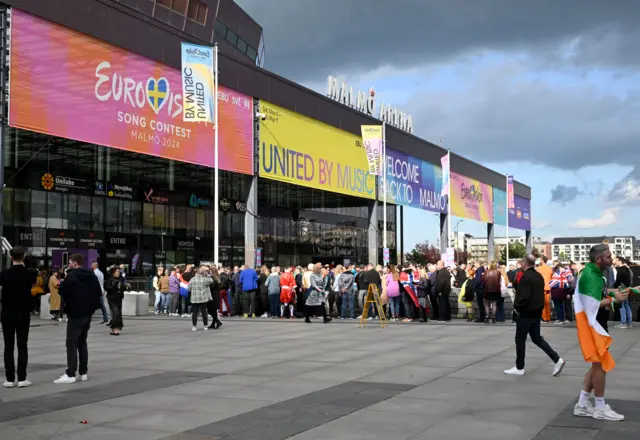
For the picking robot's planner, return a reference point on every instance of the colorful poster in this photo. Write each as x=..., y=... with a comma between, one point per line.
x=499, y=207
x=302, y=151
x=510, y=193
x=520, y=215
x=197, y=83
x=413, y=182
x=471, y=199
x=67, y=84
x=372, y=141
x=446, y=171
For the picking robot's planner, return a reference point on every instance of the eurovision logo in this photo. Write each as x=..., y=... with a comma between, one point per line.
x=470, y=193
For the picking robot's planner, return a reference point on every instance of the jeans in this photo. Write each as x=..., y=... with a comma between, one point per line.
x=626, y=316
x=362, y=294
x=274, y=305
x=480, y=299
x=175, y=300
x=165, y=302
x=394, y=306
x=249, y=300
x=558, y=305
x=77, y=331
x=15, y=327
x=202, y=308
x=103, y=307
x=531, y=327
x=158, y=303
x=348, y=299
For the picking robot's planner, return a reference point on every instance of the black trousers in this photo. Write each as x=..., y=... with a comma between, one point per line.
x=531, y=327
x=309, y=309
x=77, y=331
x=445, y=308
x=249, y=300
x=480, y=300
x=115, y=305
x=409, y=306
x=434, y=299
x=212, y=311
x=15, y=327
x=202, y=308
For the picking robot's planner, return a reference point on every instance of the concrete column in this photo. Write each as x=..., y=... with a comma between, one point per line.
x=444, y=233
x=251, y=224
x=373, y=233
x=401, y=229
x=528, y=245
x=491, y=255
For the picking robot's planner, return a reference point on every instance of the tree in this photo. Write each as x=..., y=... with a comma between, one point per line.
x=461, y=256
x=563, y=257
x=423, y=253
x=516, y=250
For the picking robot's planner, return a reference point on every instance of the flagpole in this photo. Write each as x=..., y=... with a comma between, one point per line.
x=449, y=202
x=506, y=263
x=216, y=240
x=384, y=184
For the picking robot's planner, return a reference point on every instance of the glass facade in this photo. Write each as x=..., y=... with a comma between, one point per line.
x=117, y=206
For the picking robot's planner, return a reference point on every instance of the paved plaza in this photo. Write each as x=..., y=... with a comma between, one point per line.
x=269, y=380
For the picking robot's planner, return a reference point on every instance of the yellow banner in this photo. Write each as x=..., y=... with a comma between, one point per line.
x=372, y=139
x=302, y=151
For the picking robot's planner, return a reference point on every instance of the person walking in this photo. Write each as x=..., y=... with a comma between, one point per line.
x=16, y=283
x=529, y=303
x=316, y=296
x=81, y=293
x=115, y=295
x=591, y=300
x=249, y=281
x=103, y=306
x=200, y=295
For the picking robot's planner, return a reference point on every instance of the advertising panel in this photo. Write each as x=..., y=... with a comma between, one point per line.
x=520, y=216
x=471, y=199
x=499, y=207
x=372, y=140
x=302, y=151
x=413, y=182
x=197, y=83
x=64, y=83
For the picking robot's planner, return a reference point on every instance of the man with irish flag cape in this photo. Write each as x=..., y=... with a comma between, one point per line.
x=591, y=300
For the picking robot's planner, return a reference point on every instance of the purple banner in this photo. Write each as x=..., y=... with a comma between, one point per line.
x=520, y=216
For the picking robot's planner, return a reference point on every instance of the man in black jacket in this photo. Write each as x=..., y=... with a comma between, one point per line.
x=443, y=290
x=529, y=303
x=372, y=277
x=81, y=293
x=16, y=283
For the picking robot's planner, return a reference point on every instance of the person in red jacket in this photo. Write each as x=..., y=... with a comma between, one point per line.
x=287, y=292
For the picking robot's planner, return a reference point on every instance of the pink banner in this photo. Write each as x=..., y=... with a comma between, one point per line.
x=471, y=199
x=68, y=84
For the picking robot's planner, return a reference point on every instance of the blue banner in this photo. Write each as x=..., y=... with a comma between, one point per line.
x=499, y=207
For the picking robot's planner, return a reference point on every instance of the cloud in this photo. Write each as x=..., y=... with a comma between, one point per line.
x=564, y=194
x=608, y=217
x=319, y=37
x=627, y=191
x=540, y=225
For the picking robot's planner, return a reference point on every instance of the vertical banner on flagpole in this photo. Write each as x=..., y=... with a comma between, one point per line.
x=372, y=141
x=197, y=83
x=386, y=256
x=445, y=161
x=511, y=203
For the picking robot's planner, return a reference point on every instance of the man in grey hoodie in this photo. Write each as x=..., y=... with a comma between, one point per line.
x=346, y=285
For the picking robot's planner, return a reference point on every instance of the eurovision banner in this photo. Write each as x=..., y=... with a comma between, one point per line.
x=372, y=141
x=413, y=182
x=520, y=215
x=471, y=199
x=510, y=193
x=446, y=171
x=499, y=207
x=197, y=83
x=67, y=84
x=306, y=152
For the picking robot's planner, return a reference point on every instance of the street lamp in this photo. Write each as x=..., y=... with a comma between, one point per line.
x=456, y=242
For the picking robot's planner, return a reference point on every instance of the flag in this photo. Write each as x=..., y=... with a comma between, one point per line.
x=594, y=340
x=445, y=174
x=372, y=140
x=406, y=279
x=511, y=201
x=197, y=83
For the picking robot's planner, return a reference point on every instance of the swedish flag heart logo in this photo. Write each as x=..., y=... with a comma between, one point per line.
x=157, y=93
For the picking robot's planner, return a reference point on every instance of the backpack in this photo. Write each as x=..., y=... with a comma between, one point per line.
x=468, y=292
x=224, y=281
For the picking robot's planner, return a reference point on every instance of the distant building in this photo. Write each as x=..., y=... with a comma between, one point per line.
x=478, y=248
x=577, y=248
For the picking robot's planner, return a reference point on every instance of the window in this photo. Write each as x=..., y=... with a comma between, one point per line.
x=220, y=29
x=232, y=37
x=179, y=6
x=197, y=11
x=242, y=45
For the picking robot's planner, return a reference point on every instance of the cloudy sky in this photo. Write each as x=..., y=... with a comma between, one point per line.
x=548, y=91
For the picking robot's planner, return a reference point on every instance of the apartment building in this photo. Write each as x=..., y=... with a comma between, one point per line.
x=577, y=248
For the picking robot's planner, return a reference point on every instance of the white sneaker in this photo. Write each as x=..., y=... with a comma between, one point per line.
x=193, y=329
x=559, y=322
x=359, y=317
x=557, y=369
x=621, y=326
x=607, y=413
x=8, y=384
x=155, y=313
x=584, y=411
x=84, y=378
x=24, y=384
x=514, y=372
x=64, y=379
x=264, y=315
x=184, y=315
x=205, y=328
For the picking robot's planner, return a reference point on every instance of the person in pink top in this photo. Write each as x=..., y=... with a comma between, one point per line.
x=393, y=292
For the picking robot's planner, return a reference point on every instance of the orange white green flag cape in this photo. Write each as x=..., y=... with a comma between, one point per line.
x=594, y=340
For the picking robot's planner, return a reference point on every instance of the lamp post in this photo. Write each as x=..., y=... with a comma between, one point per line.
x=456, y=240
